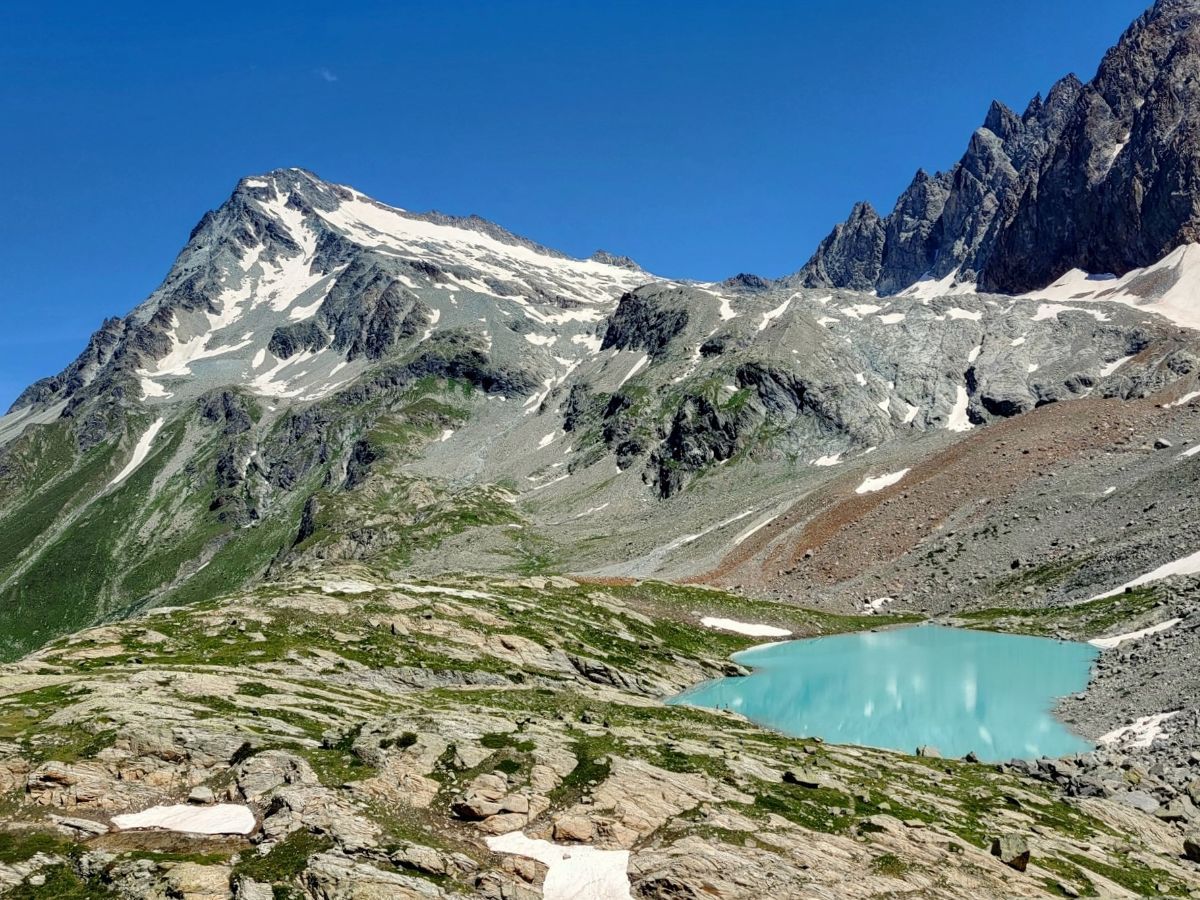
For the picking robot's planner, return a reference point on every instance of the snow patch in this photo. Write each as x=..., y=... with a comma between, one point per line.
x=573, y=872
x=1046, y=311
x=1189, y=565
x=1117, y=640
x=744, y=628
x=224, y=818
x=637, y=367
x=753, y=529
x=1139, y=734
x=1168, y=287
x=834, y=460
x=959, y=421
x=771, y=315
x=879, y=482
x=140, y=451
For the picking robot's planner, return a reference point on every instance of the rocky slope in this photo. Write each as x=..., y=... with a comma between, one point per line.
x=1100, y=177
x=380, y=735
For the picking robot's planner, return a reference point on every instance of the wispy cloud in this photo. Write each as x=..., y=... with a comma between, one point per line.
x=326, y=74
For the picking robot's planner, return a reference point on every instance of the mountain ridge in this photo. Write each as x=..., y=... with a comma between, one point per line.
x=1094, y=177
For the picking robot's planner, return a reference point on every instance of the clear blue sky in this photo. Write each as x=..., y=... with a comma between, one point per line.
x=702, y=138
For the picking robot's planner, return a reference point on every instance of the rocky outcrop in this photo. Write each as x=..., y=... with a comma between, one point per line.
x=648, y=319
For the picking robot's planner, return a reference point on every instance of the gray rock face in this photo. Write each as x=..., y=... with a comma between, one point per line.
x=648, y=319
x=1103, y=177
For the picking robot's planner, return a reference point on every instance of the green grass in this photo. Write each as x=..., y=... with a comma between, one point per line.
x=285, y=861
x=1084, y=619
x=891, y=865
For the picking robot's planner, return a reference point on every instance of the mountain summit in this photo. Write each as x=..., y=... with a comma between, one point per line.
x=1102, y=177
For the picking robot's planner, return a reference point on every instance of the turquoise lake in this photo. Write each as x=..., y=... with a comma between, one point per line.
x=949, y=688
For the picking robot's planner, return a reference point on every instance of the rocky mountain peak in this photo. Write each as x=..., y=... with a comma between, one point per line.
x=1098, y=176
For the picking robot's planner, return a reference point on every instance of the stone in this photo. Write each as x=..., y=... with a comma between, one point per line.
x=249, y=889
x=191, y=881
x=201, y=794
x=1191, y=846
x=1138, y=800
x=1012, y=849
x=574, y=828
x=929, y=752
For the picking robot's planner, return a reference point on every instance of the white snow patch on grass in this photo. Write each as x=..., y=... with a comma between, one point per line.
x=1117, y=640
x=1017, y=342
x=879, y=482
x=573, y=872
x=974, y=354
x=547, y=440
x=447, y=433
x=140, y=451
x=541, y=340
x=1189, y=452
x=861, y=378
x=833, y=460
x=892, y=318
x=224, y=818
x=910, y=413
x=745, y=628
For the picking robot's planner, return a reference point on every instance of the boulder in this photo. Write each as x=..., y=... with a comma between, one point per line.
x=574, y=828
x=1012, y=849
x=1191, y=846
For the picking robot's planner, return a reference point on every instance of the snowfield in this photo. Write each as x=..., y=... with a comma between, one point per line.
x=879, y=482
x=224, y=818
x=140, y=451
x=574, y=872
x=745, y=628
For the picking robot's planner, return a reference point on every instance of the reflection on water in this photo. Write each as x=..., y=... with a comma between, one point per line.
x=949, y=688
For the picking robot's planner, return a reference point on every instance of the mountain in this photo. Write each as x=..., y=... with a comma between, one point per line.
x=1100, y=177
x=323, y=377
x=359, y=557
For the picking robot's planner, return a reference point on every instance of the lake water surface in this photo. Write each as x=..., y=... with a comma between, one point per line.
x=949, y=688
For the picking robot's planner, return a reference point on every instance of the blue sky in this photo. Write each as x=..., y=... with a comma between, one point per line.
x=702, y=138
